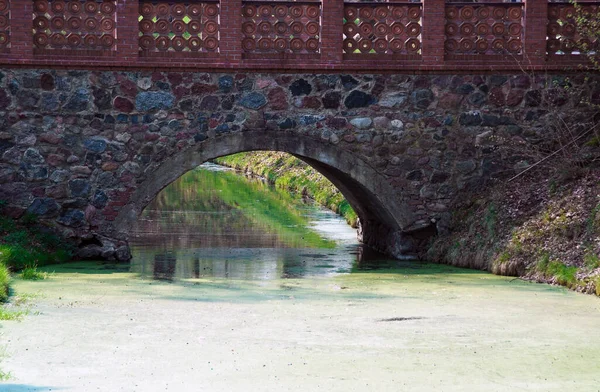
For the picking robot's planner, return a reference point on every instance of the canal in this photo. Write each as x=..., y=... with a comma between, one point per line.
x=236, y=286
x=216, y=222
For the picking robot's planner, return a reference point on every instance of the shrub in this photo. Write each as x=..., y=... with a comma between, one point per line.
x=564, y=275
x=20, y=237
x=29, y=218
x=31, y=273
x=502, y=258
x=542, y=262
x=6, y=224
x=27, y=243
x=4, y=281
x=591, y=260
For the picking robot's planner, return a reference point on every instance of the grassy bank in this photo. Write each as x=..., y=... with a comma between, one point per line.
x=542, y=228
x=25, y=244
x=4, y=282
x=288, y=172
x=278, y=213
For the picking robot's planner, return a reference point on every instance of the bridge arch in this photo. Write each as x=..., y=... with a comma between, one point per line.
x=382, y=217
x=85, y=150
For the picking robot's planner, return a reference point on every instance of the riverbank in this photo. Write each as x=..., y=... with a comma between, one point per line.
x=26, y=245
x=539, y=227
x=290, y=173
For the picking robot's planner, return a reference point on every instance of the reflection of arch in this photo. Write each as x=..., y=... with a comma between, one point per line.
x=374, y=200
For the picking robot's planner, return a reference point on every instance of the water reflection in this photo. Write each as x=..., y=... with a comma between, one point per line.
x=214, y=222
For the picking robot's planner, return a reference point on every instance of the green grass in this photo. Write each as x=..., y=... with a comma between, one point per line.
x=27, y=247
x=288, y=172
x=12, y=315
x=24, y=245
x=18, y=256
x=503, y=257
x=593, y=142
x=591, y=260
x=4, y=282
x=278, y=212
x=593, y=221
x=542, y=262
x=552, y=268
x=7, y=224
x=31, y=273
x=4, y=376
x=24, y=298
x=564, y=275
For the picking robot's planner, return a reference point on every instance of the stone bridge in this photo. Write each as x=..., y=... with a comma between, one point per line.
x=94, y=123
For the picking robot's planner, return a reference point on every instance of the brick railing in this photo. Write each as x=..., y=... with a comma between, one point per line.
x=483, y=29
x=382, y=29
x=179, y=29
x=564, y=39
x=4, y=26
x=294, y=35
x=66, y=27
x=281, y=28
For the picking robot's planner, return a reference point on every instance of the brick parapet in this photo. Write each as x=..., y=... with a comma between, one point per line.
x=431, y=58
x=230, y=47
x=21, y=32
x=433, y=32
x=127, y=48
x=535, y=24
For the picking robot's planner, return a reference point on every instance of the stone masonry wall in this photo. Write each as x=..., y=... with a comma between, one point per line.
x=75, y=145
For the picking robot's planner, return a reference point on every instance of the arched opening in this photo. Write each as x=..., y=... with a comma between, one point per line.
x=382, y=218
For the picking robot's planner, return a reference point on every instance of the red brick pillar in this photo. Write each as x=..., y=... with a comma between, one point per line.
x=332, y=30
x=127, y=45
x=535, y=21
x=230, y=32
x=432, y=32
x=21, y=30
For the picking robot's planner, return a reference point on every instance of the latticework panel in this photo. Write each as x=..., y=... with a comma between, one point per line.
x=564, y=35
x=185, y=26
x=4, y=25
x=281, y=27
x=484, y=29
x=390, y=28
x=72, y=24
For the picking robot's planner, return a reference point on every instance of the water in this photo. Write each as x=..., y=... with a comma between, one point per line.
x=215, y=222
x=237, y=287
